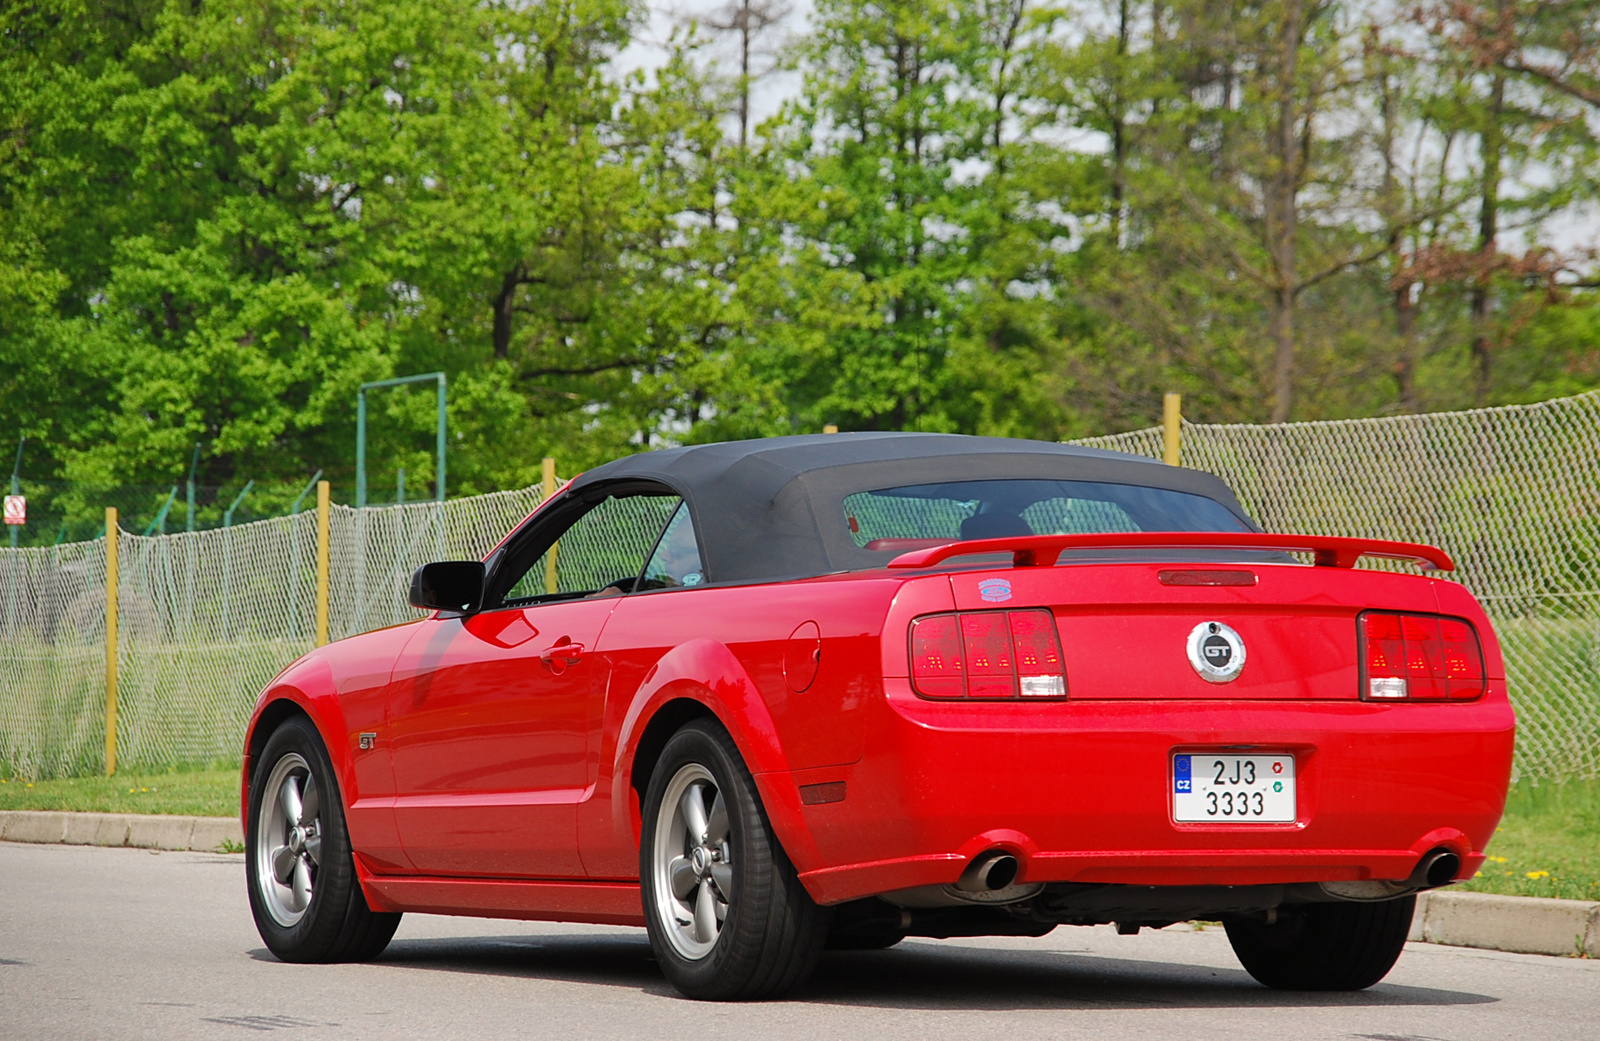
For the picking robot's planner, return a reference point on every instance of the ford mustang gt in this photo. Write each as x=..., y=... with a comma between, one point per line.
x=770, y=697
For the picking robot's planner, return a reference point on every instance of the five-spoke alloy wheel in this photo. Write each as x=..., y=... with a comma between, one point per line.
x=304, y=894
x=727, y=915
x=288, y=845
x=693, y=861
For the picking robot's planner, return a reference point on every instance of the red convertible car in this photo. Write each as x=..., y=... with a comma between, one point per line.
x=768, y=697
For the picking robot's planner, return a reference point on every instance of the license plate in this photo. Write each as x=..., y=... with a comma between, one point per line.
x=1239, y=789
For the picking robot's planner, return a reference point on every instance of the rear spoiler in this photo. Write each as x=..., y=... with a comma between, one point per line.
x=1044, y=550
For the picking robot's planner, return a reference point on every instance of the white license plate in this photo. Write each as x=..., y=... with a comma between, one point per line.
x=1239, y=789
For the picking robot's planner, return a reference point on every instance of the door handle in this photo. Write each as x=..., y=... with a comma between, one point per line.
x=561, y=655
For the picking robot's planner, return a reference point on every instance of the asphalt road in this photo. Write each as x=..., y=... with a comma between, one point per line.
x=117, y=943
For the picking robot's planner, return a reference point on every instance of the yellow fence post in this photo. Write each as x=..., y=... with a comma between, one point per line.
x=550, y=557
x=1171, y=428
x=324, y=555
x=111, y=640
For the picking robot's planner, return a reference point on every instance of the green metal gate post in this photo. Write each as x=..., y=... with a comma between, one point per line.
x=189, y=495
x=361, y=431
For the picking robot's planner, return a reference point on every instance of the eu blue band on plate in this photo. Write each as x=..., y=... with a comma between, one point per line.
x=1180, y=773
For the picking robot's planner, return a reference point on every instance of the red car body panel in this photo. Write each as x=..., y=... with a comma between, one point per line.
x=1077, y=789
x=492, y=764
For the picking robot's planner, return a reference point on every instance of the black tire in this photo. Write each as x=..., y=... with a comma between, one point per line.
x=865, y=925
x=770, y=932
x=335, y=924
x=864, y=940
x=1324, y=946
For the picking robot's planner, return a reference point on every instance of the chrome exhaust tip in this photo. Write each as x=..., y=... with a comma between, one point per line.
x=989, y=872
x=1437, y=868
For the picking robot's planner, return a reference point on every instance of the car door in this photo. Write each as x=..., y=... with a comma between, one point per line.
x=490, y=713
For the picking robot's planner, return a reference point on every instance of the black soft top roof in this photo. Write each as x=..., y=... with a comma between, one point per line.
x=772, y=508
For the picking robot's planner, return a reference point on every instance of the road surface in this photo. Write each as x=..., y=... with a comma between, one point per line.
x=102, y=943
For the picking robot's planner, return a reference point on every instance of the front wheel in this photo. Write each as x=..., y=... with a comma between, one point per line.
x=1324, y=946
x=727, y=915
x=304, y=894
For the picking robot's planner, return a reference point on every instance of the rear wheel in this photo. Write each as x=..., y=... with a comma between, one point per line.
x=304, y=894
x=727, y=915
x=1324, y=946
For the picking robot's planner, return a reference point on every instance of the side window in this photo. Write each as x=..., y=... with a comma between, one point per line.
x=676, y=561
x=604, y=550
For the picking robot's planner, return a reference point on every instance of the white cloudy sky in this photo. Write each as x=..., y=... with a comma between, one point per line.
x=1576, y=231
x=648, y=49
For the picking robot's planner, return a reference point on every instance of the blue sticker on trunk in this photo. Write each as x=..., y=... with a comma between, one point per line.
x=994, y=590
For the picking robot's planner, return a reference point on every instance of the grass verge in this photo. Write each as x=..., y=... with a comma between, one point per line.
x=1547, y=845
x=195, y=793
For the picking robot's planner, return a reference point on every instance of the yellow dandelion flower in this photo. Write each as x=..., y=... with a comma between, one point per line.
x=1538, y=874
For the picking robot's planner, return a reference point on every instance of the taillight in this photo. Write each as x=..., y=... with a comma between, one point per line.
x=1419, y=657
x=987, y=655
x=936, y=657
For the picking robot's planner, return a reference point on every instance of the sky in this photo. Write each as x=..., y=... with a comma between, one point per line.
x=1576, y=231
x=649, y=49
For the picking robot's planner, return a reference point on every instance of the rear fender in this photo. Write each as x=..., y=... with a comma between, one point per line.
x=705, y=671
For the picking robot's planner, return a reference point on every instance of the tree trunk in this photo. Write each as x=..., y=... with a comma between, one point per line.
x=1283, y=215
x=1402, y=289
x=1488, y=232
x=1119, y=143
x=744, y=74
x=503, y=302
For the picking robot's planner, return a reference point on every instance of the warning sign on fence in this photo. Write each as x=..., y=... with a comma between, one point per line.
x=16, y=509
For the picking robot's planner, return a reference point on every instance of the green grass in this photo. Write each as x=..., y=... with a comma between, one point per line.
x=1547, y=845
x=198, y=793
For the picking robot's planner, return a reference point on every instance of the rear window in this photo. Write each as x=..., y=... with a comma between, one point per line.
x=911, y=516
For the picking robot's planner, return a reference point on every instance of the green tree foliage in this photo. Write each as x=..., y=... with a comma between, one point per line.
x=1024, y=217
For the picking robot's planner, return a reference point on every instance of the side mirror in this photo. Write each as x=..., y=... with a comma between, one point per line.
x=450, y=585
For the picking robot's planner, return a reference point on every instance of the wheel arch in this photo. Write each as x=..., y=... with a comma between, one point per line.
x=667, y=720
x=305, y=689
x=703, y=679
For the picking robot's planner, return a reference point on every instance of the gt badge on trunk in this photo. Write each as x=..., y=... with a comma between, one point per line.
x=1216, y=652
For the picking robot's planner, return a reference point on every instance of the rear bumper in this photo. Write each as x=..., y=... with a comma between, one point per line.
x=1079, y=792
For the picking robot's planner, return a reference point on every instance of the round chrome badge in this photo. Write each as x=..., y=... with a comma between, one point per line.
x=1216, y=652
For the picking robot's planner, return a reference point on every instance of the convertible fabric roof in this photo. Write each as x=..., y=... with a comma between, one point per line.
x=772, y=508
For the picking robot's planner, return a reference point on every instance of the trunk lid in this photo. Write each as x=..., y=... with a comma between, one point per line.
x=1126, y=628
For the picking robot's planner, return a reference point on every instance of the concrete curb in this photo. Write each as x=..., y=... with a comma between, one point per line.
x=142, y=831
x=1526, y=924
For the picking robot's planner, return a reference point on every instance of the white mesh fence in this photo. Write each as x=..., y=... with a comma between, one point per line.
x=1513, y=494
x=206, y=618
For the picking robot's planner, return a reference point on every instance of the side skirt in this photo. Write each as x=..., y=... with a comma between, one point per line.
x=596, y=903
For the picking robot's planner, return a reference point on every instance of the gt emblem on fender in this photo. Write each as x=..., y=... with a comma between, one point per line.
x=1216, y=652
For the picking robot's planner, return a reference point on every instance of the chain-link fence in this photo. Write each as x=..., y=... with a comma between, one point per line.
x=206, y=618
x=1512, y=493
